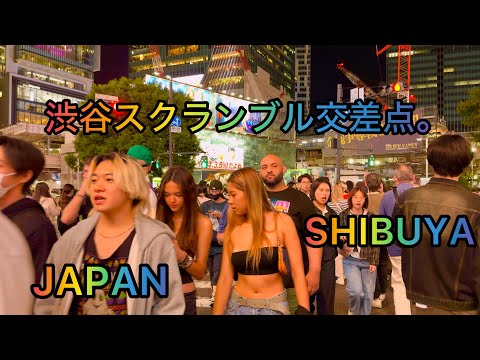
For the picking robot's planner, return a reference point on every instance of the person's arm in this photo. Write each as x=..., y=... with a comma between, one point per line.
x=225, y=281
x=174, y=303
x=294, y=250
x=314, y=254
x=71, y=212
x=198, y=268
x=222, y=225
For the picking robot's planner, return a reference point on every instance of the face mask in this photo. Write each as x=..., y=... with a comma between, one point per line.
x=3, y=190
x=216, y=196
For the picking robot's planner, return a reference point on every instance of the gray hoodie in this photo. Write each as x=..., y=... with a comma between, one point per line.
x=152, y=245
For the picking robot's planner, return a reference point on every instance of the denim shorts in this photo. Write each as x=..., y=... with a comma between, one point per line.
x=239, y=305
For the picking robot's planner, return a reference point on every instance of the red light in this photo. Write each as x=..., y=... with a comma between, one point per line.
x=113, y=105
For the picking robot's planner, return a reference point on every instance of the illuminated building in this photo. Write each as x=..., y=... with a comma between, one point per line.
x=30, y=75
x=271, y=66
x=440, y=76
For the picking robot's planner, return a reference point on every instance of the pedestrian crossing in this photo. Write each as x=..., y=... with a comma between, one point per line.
x=204, y=293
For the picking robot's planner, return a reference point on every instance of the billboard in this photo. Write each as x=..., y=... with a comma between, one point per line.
x=222, y=153
x=233, y=103
x=360, y=144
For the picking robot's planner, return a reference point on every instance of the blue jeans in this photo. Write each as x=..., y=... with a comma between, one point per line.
x=235, y=308
x=214, y=263
x=360, y=285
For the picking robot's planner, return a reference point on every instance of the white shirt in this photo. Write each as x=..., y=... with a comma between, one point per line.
x=151, y=208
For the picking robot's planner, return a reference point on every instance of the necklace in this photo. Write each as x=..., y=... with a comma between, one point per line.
x=110, y=237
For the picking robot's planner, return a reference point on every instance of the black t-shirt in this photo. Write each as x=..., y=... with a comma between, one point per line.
x=102, y=304
x=299, y=206
x=85, y=208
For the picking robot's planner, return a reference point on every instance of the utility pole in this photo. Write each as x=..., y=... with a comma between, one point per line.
x=170, y=137
x=426, y=158
x=339, y=100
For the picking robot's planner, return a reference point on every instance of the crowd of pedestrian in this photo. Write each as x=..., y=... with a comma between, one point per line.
x=248, y=234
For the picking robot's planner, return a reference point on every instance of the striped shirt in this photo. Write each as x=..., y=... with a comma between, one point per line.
x=338, y=206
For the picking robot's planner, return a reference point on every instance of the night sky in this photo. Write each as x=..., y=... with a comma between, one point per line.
x=361, y=60
x=114, y=63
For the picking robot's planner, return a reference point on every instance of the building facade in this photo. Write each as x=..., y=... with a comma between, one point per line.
x=440, y=76
x=30, y=75
x=303, y=75
x=246, y=70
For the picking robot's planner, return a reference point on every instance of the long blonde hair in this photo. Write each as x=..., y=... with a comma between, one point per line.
x=337, y=192
x=250, y=183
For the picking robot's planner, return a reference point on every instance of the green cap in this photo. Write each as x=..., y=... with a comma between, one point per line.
x=140, y=152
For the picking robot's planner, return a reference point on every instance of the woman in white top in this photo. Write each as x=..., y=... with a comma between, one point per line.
x=42, y=195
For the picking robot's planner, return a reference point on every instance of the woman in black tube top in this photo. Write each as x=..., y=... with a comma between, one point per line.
x=251, y=242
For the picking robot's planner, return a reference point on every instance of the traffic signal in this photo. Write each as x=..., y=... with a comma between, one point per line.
x=204, y=162
x=397, y=86
x=371, y=160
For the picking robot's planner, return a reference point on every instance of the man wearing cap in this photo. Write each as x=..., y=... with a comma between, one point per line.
x=145, y=159
x=213, y=209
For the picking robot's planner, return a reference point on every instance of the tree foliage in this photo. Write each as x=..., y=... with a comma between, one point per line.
x=72, y=162
x=470, y=110
x=469, y=180
x=147, y=96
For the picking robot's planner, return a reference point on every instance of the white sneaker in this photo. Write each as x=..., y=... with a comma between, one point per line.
x=340, y=281
x=382, y=297
x=349, y=312
x=421, y=306
x=377, y=303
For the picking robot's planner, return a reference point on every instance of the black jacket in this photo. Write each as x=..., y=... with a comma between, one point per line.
x=30, y=217
x=443, y=276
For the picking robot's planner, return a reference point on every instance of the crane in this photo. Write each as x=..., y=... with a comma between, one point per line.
x=403, y=69
x=355, y=80
x=157, y=61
